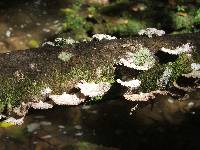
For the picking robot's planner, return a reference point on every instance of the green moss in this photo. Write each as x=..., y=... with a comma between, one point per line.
x=196, y=56
x=92, y=10
x=89, y=75
x=143, y=56
x=180, y=66
x=197, y=17
x=14, y=91
x=150, y=77
x=75, y=23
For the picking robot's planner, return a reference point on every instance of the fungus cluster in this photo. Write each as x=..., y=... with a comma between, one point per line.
x=185, y=48
x=142, y=59
x=151, y=31
x=100, y=37
x=92, y=89
x=153, y=78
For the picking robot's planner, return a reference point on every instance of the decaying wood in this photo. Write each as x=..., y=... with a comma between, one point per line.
x=92, y=61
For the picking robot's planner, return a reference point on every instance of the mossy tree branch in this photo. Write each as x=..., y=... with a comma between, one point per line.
x=24, y=73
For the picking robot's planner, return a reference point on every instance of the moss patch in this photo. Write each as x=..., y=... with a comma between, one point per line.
x=150, y=77
x=14, y=91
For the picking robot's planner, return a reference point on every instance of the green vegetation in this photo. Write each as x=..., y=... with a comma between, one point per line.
x=182, y=23
x=125, y=27
x=75, y=24
x=22, y=87
x=126, y=18
x=151, y=77
x=14, y=91
x=197, y=17
x=118, y=18
x=85, y=73
x=180, y=66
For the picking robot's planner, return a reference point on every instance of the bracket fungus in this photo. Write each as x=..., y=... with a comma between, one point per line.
x=195, y=71
x=185, y=48
x=142, y=59
x=66, y=99
x=151, y=31
x=131, y=84
x=14, y=121
x=41, y=105
x=100, y=37
x=143, y=96
x=93, y=89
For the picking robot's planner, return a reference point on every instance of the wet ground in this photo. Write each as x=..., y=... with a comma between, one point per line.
x=116, y=124
x=25, y=24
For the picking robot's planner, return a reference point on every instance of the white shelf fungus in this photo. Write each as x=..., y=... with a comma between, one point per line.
x=48, y=43
x=103, y=36
x=66, y=99
x=41, y=105
x=151, y=31
x=46, y=91
x=186, y=89
x=14, y=121
x=65, y=56
x=185, y=48
x=195, y=66
x=92, y=89
x=60, y=42
x=140, y=60
x=143, y=96
x=193, y=74
x=132, y=83
x=63, y=41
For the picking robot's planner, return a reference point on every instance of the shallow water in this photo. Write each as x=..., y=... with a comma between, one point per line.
x=167, y=124
x=25, y=24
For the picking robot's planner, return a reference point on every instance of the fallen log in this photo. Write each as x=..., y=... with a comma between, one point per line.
x=48, y=74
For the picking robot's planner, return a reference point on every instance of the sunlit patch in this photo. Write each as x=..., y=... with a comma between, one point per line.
x=4, y=124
